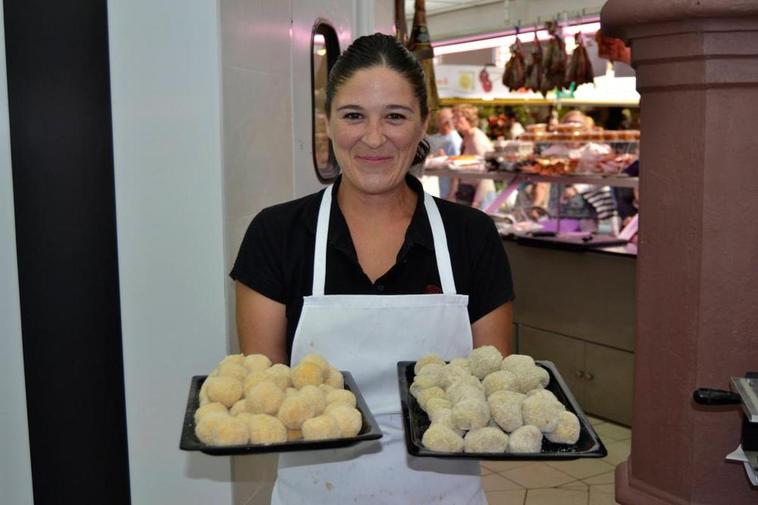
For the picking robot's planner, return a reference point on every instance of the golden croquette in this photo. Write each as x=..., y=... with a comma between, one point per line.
x=226, y=390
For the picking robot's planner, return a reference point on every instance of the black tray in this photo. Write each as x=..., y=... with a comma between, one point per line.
x=189, y=441
x=415, y=422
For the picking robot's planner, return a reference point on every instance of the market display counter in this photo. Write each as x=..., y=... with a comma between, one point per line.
x=577, y=309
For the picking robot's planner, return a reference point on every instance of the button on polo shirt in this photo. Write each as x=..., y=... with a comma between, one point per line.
x=276, y=256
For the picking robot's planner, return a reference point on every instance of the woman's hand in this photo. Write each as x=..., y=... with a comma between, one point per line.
x=261, y=324
x=495, y=328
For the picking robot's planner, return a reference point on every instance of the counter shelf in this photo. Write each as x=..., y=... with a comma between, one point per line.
x=415, y=422
x=620, y=181
x=189, y=442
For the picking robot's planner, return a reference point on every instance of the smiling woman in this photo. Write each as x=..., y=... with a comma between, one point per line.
x=375, y=233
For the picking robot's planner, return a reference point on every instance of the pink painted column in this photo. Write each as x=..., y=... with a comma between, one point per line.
x=697, y=280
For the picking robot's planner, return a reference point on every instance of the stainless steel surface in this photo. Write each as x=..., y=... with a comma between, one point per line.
x=748, y=390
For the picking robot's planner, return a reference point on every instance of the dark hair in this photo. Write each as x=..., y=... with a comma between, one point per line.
x=380, y=50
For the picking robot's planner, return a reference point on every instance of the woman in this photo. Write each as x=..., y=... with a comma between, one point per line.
x=476, y=193
x=313, y=275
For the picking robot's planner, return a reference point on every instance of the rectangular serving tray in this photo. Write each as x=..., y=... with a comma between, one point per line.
x=415, y=422
x=189, y=441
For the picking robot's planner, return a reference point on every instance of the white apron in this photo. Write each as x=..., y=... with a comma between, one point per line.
x=367, y=335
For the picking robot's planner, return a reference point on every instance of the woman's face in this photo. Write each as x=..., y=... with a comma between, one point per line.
x=461, y=123
x=375, y=127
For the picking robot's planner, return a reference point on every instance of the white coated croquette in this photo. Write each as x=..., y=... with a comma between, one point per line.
x=451, y=374
x=542, y=411
x=526, y=439
x=425, y=360
x=471, y=414
x=484, y=360
x=515, y=361
x=500, y=380
x=531, y=377
x=439, y=437
x=487, y=439
x=505, y=408
x=426, y=394
x=567, y=431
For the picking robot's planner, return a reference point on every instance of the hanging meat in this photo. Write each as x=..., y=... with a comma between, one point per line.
x=535, y=73
x=484, y=79
x=515, y=70
x=612, y=49
x=555, y=60
x=579, y=69
x=420, y=44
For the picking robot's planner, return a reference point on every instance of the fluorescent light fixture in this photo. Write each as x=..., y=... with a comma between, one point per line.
x=506, y=40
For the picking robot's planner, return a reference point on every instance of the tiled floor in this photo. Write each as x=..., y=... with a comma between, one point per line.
x=577, y=482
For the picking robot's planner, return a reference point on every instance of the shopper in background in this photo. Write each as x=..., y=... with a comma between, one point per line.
x=446, y=142
x=312, y=275
x=476, y=193
x=515, y=129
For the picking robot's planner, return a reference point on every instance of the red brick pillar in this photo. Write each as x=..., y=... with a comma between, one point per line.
x=697, y=280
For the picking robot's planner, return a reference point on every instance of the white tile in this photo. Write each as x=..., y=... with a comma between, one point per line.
x=594, y=421
x=537, y=475
x=618, y=452
x=513, y=497
x=582, y=468
x=495, y=482
x=577, y=484
x=556, y=497
x=502, y=466
x=602, y=489
x=605, y=478
x=609, y=432
x=601, y=499
x=255, y=35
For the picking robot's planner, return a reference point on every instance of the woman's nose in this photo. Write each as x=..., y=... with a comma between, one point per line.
x=373, y=136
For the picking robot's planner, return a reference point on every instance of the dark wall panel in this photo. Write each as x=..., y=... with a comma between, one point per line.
x=62, y=155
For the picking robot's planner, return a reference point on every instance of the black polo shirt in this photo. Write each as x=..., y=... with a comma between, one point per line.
x=276, y=257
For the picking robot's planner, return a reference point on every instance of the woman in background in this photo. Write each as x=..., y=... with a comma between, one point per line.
x=477, y=193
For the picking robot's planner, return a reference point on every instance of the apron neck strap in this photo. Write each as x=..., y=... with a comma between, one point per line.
x=441, y=251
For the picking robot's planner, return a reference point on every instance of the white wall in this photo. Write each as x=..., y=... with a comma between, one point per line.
x=166, y=99
x=15, y=465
